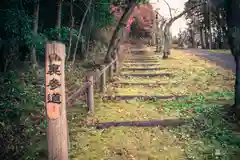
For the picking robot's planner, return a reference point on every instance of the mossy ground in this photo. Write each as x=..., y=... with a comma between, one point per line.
x=225, y=51
x=206, y=135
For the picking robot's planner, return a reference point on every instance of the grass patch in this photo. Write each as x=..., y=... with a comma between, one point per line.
x=207, y=135
x=192, y=73
x=164, y=90
x=124, y=142
x=126, y=65
x=203, y=137
x=143, y=80
x=146, y=72
x=225, y=51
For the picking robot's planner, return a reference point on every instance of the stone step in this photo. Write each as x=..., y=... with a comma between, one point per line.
x=145, y=75
x=139, y=97
x=141, y=59
x=126, y=61
x=139, y=84
x=141, y=69
x=149, y=123
x=140, y=64
x=156, y=61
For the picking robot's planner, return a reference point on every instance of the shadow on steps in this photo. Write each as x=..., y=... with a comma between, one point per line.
x=150, y=123
x=142, y=69
x=141, y=98
x=146, y=75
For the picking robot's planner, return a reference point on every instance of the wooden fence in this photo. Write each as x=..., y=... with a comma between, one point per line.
x=95, y=81
x=56, y=101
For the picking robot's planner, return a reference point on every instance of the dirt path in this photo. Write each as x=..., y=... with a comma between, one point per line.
x=221, y=59
x=137, y=115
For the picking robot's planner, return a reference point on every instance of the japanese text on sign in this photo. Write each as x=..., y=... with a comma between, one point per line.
x=53, y=73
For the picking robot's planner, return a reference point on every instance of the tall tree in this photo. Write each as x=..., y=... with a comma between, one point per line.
x=167, y=35
x=80, y=30
x=233, y=13
x=160, y=35
x=35, y=31
x=131, y=4
x=59, y=17
x=71, y=24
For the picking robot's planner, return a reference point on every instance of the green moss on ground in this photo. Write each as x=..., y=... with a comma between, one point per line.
x=225, y=51
x=205, y=135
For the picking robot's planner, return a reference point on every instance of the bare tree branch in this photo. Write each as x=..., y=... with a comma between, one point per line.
x=169, y=8
x=80, y=31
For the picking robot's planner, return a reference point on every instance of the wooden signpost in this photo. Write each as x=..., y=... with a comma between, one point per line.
x=55, y=102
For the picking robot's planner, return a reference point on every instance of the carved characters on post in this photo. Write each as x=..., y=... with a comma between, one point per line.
x=53, y=83
x=54, y=69
x=54, y=98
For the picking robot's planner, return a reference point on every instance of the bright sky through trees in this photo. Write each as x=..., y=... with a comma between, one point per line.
x=178, y=5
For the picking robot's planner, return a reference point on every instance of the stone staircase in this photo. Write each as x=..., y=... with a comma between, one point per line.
x=140, y=65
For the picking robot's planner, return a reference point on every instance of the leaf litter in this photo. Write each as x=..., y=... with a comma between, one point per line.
x=205, y=136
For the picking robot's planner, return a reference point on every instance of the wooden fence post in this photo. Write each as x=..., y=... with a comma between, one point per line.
x=90, y=94
x=55, y=102
x=102, y=79
x=116, y=64
x=110, y=71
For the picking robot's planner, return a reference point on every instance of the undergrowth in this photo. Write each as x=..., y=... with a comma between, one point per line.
x=207, y=135
x=20, y=116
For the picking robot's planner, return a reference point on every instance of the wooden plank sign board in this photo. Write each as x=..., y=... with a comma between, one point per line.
x=55, y=101
x=55, y=90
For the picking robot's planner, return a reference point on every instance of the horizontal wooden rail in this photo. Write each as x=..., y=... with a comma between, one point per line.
x=79, y=91
x=88, y=86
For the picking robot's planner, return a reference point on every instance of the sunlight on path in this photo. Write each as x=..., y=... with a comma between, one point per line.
x=188, y=75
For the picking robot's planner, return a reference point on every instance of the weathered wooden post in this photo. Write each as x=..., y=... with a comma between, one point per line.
x=90, y=94
x=102, y=79
x=110, y=70
x=22, y=78
x=55, y=102
x=116, y=64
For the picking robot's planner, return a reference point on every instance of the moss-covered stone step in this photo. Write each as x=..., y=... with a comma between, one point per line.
x=149, y=123
x=146, y=75
x=140, y=97
x=139, y=84
x=140, y=59
x=140, y=64
x=141, y=69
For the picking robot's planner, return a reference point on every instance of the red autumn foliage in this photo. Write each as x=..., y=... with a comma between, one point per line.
x=143, y=13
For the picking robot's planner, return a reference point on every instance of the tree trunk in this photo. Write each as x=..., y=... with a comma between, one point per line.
x=166, y=48
x=206, y=37
x=118, y=31
x=35, y=31
x=59, y=12
x=167, y=36
x=219, y=37
x=210, y=37
x=70, y=32
x=154, y=29
x=201, y=38
x=160, y=37
x=237, y=85
x=210, y=25
x=192, y=37
x=233, y=12
x=206, y=23
x=225, y=40
x=80, y=32
x=219, y=31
